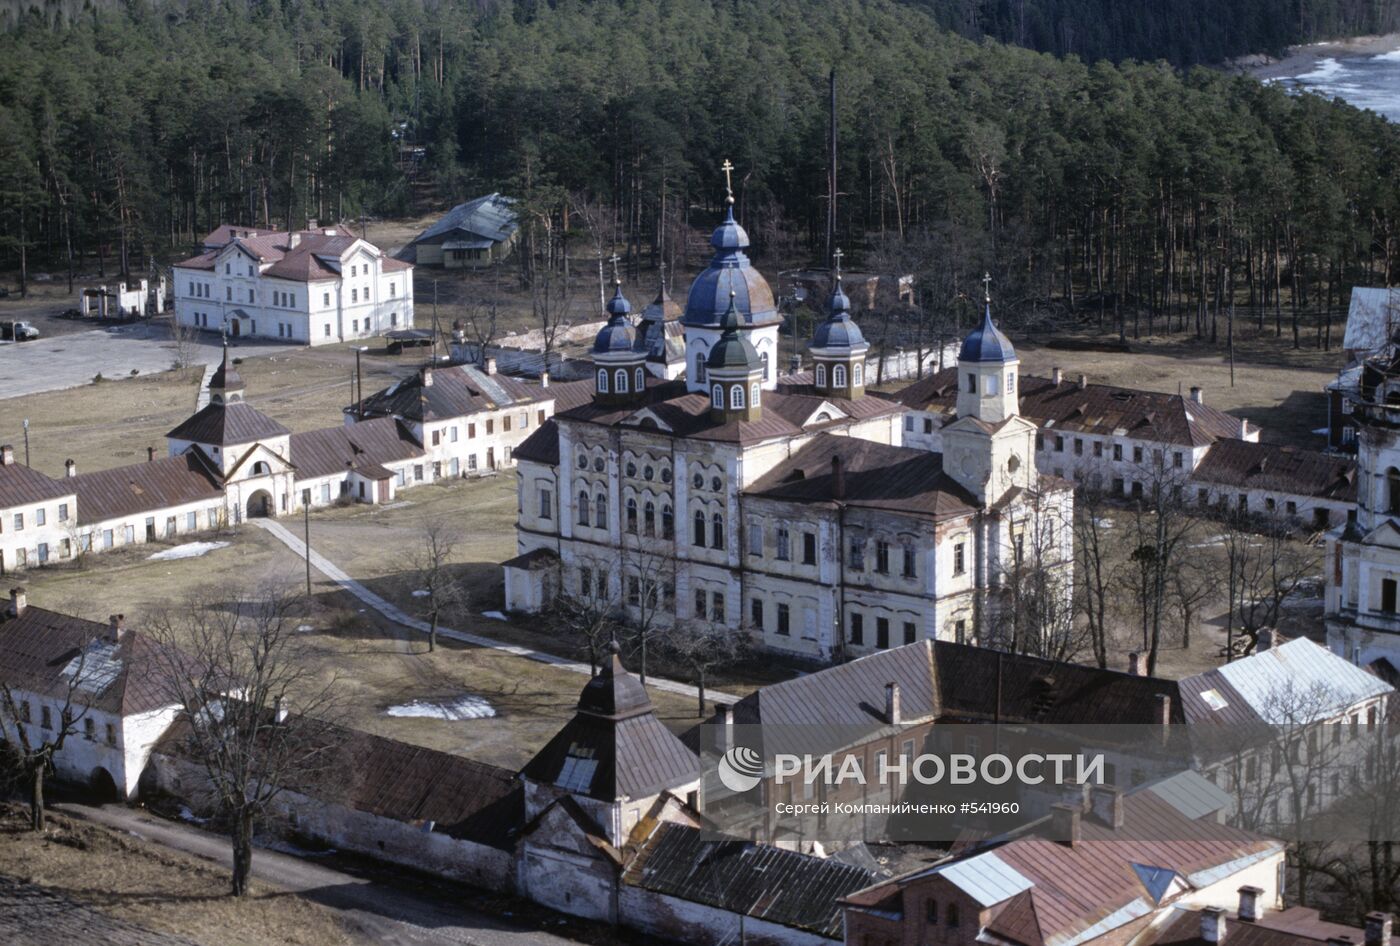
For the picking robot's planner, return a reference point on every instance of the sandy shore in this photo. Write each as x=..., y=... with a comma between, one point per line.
x=1302, y=59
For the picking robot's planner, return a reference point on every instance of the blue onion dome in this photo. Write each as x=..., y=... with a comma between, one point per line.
x=730, y=273
x=618, y=335
x=839, y=330
x=986, y=343
x=733, y=350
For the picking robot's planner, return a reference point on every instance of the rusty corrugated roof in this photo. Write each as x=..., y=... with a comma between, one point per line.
x=361, y=447
x=145, y=487
x=20, y=485
x=228, y=425
x=1278, y=468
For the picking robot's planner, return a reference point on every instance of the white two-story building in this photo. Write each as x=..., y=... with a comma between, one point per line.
x=316, y=286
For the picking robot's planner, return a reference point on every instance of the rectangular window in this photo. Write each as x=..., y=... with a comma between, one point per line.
x=490, y=426
x=1098, y=448
x=1118, y=451
x=784, y=544
x=546, y=504
x=1059, y=443
x=107, y=538
x=505, y=423
x=857, y=559
x=89, y=728
x=959, y=559
x=328, y=330
x=809, y=548
x=192, y=521
x=1178, y=459
x=909, y=423
x=700, y=603
x=19, y=521
x=857, y=628
x=717, y=606
x=111, y=735
x=437, y=438
x=910, y=562
x=1078, y=447
x=45, y=717
x=960, y=632
x=882, y=557
x=43, y=552
x=471, y=431
x=1137, y=454
x=41, y=517
x=784, y=627
x=471, y=461
x=910, y=634
x=1388, y=595
x=882, y=633
x=756, y=538
x=756, y=613
x=928, y=425
x=62, y=512
x=452, y=434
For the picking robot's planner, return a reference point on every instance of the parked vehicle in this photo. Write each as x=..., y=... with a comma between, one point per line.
x=17, y=331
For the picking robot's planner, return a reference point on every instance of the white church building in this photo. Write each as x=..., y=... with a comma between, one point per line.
x=786, y=507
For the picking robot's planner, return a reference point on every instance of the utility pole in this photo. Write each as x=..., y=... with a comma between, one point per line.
x=306, y=540
x=26, y=442
x=831, y=171
x=359, y=383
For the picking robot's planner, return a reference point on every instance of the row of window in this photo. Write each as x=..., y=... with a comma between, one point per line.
x=620, y=384
x=1060, y=441
x=736, y=396
x=909, y=632
x=856, y=559
x=508, y=423
x=41, y=517
x=838, y=375
x=782, y=543
x=46, y=722
x=44, y=552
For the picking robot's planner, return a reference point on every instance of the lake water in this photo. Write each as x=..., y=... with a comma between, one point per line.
x=1371, y=82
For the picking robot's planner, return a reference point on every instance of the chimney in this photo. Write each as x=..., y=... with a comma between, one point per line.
x=1264, y=640
x=293, y=238
x=491, y=365
x=70, y=468
x=544, y=379
x=838, y=478
x=726, y=728
x=1213, y=924
x=892, y=713
x=1083, y=381
x=1164, y=709
x=1064, y=824
x=1249, y=904
x=1135, y=664
x=150, y=454
x=1106, y=805
x=7, y=455
x=427, y=377
x=1057, y=374
x=18, y=601
x=1198, y=395
x=1244, y=428
x=312, y=223
x=1378, y=929
x=117, y=625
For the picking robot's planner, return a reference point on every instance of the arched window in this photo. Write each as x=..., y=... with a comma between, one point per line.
x=602, y=381
x=736, y=397
x=1392, y=485
x=700, y=368
x=821, y=375
x=668, y=522
x=754, y=394
x=583, y=504
x=621, y=377
x=261, y=468
x=717, y=397
x=717, y=531
x=649, y=519
x=838, y=376
x=972, y=384
x=764, y=356
x=632, y=515
x=641, y=381
x=698, y=538
x=857, y=374
x=600, y=511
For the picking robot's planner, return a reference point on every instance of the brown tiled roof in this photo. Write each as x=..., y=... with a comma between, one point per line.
x=309, y=260
x=141, y=487
x=20, y=485
x=1100, y=409
x=228, y=424
x=761, y=881
x=1296, y=926
x=540, y=447
x=878, y=476
x=361, y=447
x=614, y=747
x=1075, y=887
x=688, y=415
x=456, y=391
x=1278, y=469
x=42, y=650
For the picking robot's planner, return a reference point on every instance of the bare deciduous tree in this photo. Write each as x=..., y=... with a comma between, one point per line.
x=438, y=590
x=591, y=617
x=234, y=664
x=1265, y=564
x=33, y=736
x=702, y=648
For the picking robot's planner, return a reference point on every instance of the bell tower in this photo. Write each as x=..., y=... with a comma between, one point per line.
x=988, y=370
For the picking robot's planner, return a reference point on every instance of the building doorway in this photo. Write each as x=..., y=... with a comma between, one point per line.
x=103, y=786
x=260, y=505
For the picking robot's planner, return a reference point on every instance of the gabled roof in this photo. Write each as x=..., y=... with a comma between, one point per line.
x=357, y=447
x=761, y=881
x=1372, y=318
x=458, y=391
x=1100, y=409
x=614, y=747
x=877, y=476
x=228, y=425
x=490, y=218
x=1296, y=926
x=46, y=652
x=141, y=487
x=1279, y=469
x=1294, y=683
x=540, y=447
x=301, y=256
x=1086, y=889
x=21, y=485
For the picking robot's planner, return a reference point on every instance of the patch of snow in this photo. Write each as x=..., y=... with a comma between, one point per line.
x=494, y=615
x=463, y=707
x=1103, y=522
x=188, y=550
x=303, y=628
x=421, y=593
x=190, y=816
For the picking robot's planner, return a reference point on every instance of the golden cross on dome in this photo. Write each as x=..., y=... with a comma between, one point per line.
x=726, y=167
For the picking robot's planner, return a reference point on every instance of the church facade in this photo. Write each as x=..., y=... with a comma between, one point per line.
x=784, y=507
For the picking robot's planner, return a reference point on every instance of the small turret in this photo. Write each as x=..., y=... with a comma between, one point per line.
x=838, y=347
x=735, y=372
x=618, y=359
x=226, y=385
x=987, y=370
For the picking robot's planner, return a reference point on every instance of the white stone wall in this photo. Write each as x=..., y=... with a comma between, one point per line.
x=695, y=923
x=25, y=535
